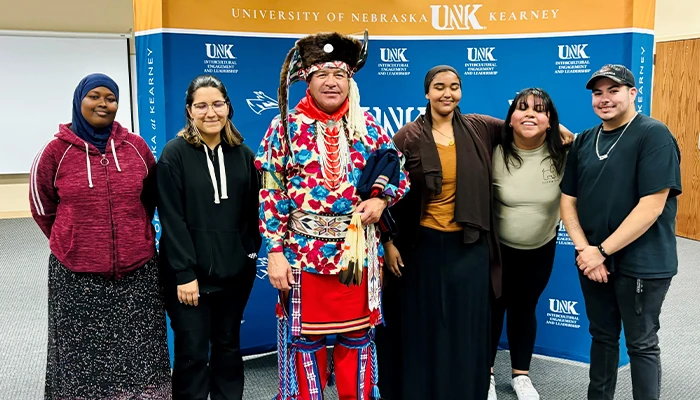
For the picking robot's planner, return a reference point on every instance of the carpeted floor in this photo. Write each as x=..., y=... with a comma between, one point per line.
x=23, y=259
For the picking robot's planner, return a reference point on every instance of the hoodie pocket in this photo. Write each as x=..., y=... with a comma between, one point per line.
x=221, y=254
x=201, y=239
x=90, y=249
x=61, y=238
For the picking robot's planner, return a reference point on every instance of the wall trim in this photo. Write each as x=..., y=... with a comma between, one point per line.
x=34, y=33
x=673, y=38
x=15, y=214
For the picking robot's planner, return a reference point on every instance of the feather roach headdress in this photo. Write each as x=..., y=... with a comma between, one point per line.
x=315, y=52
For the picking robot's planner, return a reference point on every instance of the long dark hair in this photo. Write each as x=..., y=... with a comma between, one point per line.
x=190, y=132
x=556, y=149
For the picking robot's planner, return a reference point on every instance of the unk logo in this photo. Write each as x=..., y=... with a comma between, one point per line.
x=220, y=51
x=480, y=54
x=563, y=237
x=573, y=52
x=459, y=17
x=391, y=119
x=261, y=268
x=261, y=102
x=395, y=55
x=562, y=228
x=567, y=307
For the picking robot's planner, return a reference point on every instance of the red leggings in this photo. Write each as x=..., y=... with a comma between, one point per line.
x=346, y=362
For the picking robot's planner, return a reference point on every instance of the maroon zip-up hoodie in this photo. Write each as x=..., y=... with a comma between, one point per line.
x=95, y=209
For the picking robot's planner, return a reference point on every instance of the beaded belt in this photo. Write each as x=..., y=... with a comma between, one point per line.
x=326, y=227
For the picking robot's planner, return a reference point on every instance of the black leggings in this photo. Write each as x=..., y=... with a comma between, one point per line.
x=525, y=276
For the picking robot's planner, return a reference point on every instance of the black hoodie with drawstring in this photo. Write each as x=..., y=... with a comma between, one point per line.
x=208, y=209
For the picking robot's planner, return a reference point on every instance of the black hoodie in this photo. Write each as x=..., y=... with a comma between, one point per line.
x=210, y=226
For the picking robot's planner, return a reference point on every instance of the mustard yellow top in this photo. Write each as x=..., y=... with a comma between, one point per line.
x=440, y=210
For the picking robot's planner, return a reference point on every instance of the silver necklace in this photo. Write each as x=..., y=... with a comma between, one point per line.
x=604, y=156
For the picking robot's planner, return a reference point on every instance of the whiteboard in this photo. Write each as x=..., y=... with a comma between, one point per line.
x=38, y=75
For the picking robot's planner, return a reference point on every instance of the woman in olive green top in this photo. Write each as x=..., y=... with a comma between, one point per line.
x=527, y=169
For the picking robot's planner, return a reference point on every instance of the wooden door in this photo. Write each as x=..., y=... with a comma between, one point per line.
x=676, y=102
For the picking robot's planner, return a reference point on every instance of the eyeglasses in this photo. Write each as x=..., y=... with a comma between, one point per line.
x=219, y=107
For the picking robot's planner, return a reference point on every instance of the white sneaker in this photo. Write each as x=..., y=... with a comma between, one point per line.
x=492, y=389
x=524, y=389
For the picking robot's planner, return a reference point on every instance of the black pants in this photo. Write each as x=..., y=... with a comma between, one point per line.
x=208, y=359
x=525, y=276
x=636, y=303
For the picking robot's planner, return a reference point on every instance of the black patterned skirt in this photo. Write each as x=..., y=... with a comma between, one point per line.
x=107, y=338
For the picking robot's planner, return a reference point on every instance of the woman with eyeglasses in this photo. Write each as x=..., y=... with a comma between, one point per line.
x=208, y=208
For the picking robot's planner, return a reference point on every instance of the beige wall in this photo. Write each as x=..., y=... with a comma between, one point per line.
x=14, y=196
x=103, y=16
x=675, y=19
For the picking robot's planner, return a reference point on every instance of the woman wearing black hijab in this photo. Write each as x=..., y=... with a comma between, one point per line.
x=445, y=263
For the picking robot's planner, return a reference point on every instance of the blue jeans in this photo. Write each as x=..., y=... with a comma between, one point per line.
x=636, y=303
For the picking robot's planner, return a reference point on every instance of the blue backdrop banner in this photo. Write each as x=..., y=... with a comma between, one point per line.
x=495, y=60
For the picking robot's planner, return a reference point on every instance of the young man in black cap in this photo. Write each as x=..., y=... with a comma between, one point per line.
x=619, y=203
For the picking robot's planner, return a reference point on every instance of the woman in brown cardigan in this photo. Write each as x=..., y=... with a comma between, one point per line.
x=437, y=301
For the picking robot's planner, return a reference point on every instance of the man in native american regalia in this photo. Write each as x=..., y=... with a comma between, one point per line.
x=329, y=174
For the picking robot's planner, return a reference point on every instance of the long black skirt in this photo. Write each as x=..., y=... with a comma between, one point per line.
x=444, y=317
x=107, y=339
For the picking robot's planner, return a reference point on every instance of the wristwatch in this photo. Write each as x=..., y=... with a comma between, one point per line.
x=602, y=251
